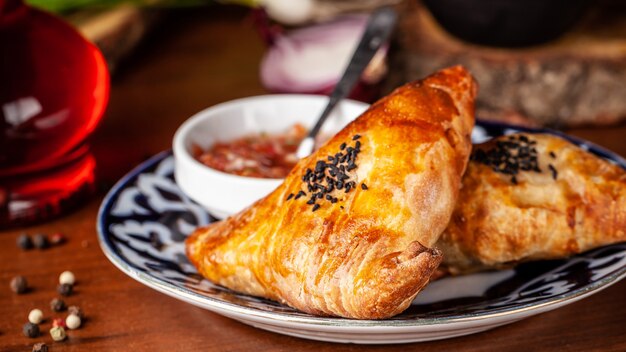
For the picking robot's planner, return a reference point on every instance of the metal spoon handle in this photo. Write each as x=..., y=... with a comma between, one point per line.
x=378, y=29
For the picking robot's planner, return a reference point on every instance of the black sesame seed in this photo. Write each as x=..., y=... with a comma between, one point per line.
x=364, y=186
x=553, y=155
x=329, y=197
x=341, y=207
x=311, y=201
x=514, y=180
x=300, y=194
x=333, y=200
x=351, y=167
x=315, y=207
x=554, y=172
x=356, y=136
x=290, y=196
x=357, y=146
x=342, y=146
x=348, y=187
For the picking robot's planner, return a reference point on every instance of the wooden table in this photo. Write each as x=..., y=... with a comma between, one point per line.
x=193, y=60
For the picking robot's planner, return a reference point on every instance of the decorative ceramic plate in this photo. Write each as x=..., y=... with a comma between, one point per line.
x=147, y=204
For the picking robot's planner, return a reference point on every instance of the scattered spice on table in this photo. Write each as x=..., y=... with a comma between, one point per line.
x=67, y=278
x=19, y=284
x=40, y=347
x=57, y=238
x=58, y=333
x=76, y=311
x=72, y=321
x=58, y=322
x=30, y=330
x=35, y=316
x=40, y=241
x=57, y=305
x=24, y=242
x=65, y=289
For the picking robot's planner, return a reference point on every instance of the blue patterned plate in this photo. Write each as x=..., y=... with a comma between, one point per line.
x=147, y=205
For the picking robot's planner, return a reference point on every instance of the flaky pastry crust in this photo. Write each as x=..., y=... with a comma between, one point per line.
x=571, y=202
x=362, y=252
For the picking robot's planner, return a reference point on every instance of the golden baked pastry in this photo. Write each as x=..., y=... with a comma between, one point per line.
x=348, y=232
x=530, y=197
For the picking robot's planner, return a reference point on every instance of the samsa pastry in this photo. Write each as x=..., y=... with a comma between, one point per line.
x=350, y=230
x=530, y=197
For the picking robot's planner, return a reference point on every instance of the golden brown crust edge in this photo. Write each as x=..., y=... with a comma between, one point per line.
x=577, y=202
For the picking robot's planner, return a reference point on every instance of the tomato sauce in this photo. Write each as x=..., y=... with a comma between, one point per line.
x=262, y=155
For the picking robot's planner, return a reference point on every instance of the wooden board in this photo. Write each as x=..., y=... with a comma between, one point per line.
x=578, y=79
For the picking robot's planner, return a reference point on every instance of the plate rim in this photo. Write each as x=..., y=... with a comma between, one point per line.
x=510, y=313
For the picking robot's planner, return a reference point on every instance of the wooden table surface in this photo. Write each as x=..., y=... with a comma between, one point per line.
x=197, y=58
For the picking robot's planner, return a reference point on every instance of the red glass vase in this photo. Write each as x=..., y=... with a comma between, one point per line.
x=53, y=91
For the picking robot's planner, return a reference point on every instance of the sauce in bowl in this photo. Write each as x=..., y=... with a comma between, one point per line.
x=261, y=155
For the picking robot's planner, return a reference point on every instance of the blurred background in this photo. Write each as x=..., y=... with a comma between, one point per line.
x=556, y=63
x=560, y=64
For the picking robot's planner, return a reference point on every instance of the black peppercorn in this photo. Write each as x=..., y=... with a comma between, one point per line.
x=19, y=284
x=65, y=289
x=24, y=242
x=40, y=347
x=57, y=305
x=30, y=330
x=41, y=241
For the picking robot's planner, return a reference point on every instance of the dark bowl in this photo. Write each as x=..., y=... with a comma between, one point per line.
x=508, y=23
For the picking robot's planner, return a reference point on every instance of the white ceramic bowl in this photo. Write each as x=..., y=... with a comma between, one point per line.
x=224, y=194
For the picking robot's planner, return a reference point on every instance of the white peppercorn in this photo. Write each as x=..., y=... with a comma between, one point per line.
x=35, y=316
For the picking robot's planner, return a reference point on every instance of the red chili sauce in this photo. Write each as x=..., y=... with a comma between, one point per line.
x=262, y=155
